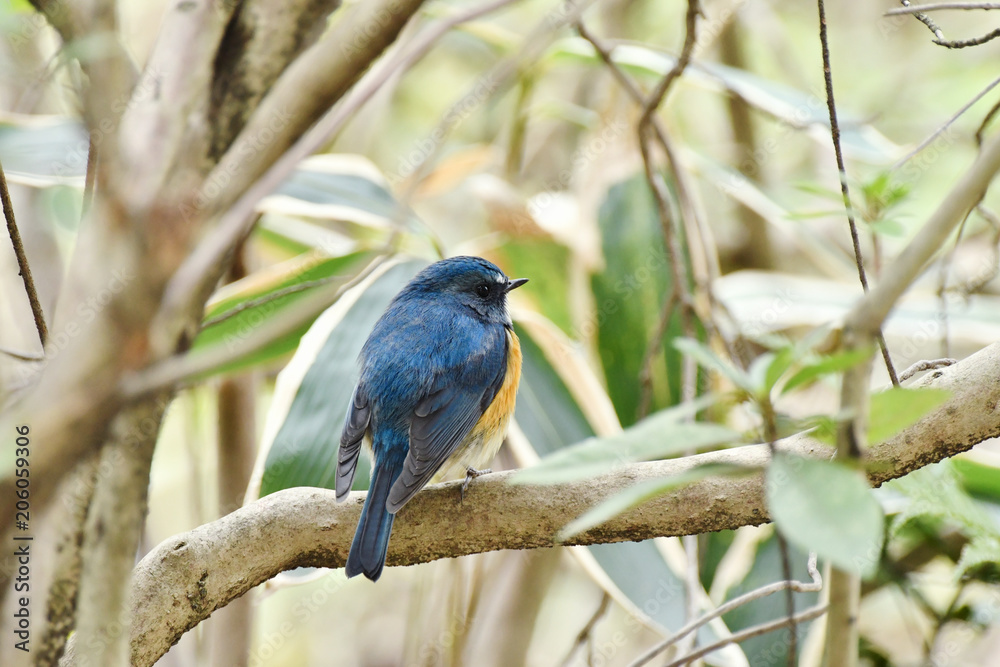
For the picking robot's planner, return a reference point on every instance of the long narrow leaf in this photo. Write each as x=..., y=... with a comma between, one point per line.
x=641, y=493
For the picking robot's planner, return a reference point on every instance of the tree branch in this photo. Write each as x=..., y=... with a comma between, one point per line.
x=264, y=154
x=938, y=6
x=869, y=314
x=176, y=79
x=184, y=579
x=111, y=535
x=260, y=42
x=22, y=260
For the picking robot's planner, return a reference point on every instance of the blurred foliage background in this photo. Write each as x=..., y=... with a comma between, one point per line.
x=542, y=174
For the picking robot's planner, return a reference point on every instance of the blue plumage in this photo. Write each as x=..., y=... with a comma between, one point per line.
x=438, y=376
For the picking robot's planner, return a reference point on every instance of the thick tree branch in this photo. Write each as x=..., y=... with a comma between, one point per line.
x=177, y=78
x=186, y=578
x=260, y=42
x=111, y=535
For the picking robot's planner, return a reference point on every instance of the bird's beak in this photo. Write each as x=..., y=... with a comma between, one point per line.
x=514, y=284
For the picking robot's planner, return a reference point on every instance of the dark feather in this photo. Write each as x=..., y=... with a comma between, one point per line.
x=355, y=425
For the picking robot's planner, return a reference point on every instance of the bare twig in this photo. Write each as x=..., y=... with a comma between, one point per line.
x=22, y=261
x=584, y=636
x=662, y=198
x=944, y=268
x=986, y=121
x=679, y=292
x=947, y=124
x=917, y=11
x=755, y=631
x=926, y=365
x=90, y=179
x=982, y=278
x=687, y=209
x=653, y=346
x=938, y=6
x=771, y=433
x=844, y=188
x=926, y=20
x=534, y=44
x=687, y=50
x=870, y=312
x=965, y=43
x=790, y=585
x=23, y=356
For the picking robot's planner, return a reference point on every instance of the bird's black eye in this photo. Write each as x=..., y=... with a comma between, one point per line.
x=483, y=290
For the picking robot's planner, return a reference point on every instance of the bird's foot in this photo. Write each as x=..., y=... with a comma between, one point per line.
x=470, y=474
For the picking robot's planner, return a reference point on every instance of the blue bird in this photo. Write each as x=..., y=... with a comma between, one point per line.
x=439, y=373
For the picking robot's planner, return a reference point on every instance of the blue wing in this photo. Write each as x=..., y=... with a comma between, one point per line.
x=458, y=398
x=358, y=417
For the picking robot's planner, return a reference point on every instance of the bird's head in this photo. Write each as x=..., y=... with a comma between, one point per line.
x=470, y=281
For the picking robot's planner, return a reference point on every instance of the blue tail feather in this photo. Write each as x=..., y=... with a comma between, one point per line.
x=371, y=540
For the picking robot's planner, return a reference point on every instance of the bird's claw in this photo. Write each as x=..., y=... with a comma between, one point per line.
x=470, y=474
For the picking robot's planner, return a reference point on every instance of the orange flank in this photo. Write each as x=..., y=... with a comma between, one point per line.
x=497, y=416
x=481, y=445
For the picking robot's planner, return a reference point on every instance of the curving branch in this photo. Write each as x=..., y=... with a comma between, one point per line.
x=187, y=577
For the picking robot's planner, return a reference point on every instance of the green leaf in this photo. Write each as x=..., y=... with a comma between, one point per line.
x=888, y=227
x=758, y=371
x=643, y=492
x=833, y=363
x=895, y=409
x=811, y=215
x=255, y=289
x=545, y=410
x=935, y=491
x=826, y=507
x=780, y=363
x=546, y=263
x=979, y=558
x=629, y=294
x=341, y=186
x=706, y=358
x=822, y=191
x=304, y=449
x=656, y=437
x=979, y=479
